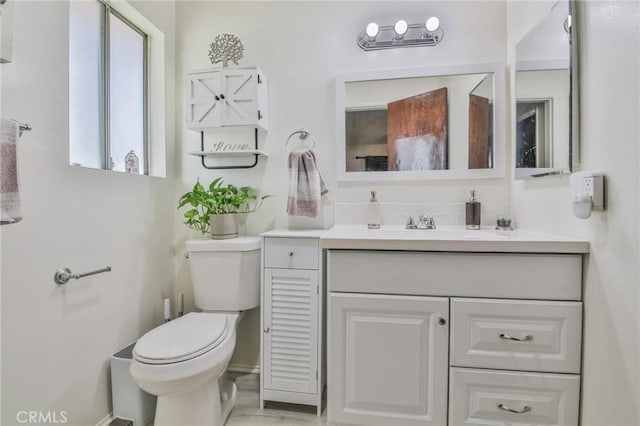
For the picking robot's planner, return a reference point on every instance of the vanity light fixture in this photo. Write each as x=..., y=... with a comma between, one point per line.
x=402, y=34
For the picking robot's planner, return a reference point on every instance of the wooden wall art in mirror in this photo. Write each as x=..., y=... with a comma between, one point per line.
x=427, y=123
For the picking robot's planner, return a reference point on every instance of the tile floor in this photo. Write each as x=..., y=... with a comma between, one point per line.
x=247, y=411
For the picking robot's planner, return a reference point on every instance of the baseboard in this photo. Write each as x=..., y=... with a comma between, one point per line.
x=105, y=422
x=244, y=368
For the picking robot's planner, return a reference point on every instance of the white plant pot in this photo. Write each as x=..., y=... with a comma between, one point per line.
x=224, y=226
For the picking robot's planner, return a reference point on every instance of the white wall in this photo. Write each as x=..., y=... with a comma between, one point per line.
x=610, y=134
x=301, y=47
x=56, y=341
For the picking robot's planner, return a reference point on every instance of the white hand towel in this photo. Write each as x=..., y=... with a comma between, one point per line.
x=306, y=185
x=10, y=211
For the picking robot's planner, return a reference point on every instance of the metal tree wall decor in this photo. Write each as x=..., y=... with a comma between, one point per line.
x=225, y=48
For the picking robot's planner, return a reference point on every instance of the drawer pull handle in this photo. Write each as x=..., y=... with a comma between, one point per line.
x=525, y=409
x=526, y=338
x=290, y=254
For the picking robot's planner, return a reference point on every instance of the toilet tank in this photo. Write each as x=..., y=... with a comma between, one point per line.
x=225, y=274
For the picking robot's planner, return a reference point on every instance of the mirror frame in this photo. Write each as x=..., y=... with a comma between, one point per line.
x=574, y=104
x=499, y=101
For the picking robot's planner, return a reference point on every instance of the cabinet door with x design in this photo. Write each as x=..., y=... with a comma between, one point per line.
x=226, y=97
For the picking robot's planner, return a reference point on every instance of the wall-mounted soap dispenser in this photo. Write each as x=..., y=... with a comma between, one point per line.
x=587, y=193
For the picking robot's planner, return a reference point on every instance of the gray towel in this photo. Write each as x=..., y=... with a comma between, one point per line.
x=10, y=211
x=306, y=185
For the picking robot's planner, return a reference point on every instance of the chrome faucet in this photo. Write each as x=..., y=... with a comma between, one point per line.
x=424, y=222
x=427, y=222
x=411, y=224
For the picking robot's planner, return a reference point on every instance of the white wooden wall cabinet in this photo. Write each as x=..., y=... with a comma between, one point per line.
x=222, y=97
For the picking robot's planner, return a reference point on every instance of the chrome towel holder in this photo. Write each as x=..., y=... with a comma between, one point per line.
x=304, y=134
x=64, y=274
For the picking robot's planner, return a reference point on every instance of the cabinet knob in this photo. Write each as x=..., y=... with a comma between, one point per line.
x=266, y=330
x=217, y=98
x=221, y=96
x=290, y=254
x=442, y=321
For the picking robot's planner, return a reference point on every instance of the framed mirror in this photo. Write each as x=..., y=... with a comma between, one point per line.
x=545, y=104
x=426, y=123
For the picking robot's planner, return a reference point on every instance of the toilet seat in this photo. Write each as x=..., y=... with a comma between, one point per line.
x=180, y=340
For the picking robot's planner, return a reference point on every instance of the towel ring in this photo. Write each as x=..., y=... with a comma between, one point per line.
x=304, y=135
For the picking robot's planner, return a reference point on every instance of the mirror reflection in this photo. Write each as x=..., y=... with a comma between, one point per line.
x=481, y=125
x=543, y=97
x=419, y=124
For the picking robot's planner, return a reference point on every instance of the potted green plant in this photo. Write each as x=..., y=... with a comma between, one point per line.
x=215, y=209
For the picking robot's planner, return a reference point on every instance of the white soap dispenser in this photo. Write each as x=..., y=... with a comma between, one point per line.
x=374, y=212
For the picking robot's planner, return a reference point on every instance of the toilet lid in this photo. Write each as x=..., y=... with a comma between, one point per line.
x=182, y=339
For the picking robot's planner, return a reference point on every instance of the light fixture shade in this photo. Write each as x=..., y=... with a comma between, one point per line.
x=432, y=24
x=401, y=27
x=372, y=30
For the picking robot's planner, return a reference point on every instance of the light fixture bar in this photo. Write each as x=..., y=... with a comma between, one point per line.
x=387, y=37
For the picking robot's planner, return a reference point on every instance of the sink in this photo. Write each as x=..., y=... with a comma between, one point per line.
x=446, y=233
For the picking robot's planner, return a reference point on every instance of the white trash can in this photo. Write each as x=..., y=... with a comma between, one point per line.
x=129, y=401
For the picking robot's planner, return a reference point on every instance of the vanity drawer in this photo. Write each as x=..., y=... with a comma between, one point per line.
x=291, y=253
x=516, y=334
x=484, y=397
x=460, y=274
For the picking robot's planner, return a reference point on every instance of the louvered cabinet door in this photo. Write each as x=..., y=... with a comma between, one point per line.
x=291, y=330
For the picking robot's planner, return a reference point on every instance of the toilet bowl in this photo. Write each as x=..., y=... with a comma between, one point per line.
x=183, y=362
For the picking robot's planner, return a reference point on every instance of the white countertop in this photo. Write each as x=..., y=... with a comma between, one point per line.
x=359, y=237
x=294, y=233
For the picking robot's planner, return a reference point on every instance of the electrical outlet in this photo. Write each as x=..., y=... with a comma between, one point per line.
x=588, y=186
x=587, y=192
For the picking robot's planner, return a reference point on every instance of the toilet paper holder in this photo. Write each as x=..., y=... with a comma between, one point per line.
x=64, y=274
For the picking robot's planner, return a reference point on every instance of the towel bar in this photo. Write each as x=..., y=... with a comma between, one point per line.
x=64, y=274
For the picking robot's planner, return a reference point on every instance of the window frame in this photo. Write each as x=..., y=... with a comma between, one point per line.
x=105, y=120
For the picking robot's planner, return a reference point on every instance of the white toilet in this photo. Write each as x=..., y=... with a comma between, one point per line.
x=183, y=362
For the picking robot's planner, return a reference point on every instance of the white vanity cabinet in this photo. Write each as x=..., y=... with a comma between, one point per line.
x=292, y=361
x=221, y=97
x=443, y=336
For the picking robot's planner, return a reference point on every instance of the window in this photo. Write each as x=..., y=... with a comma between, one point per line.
x=108, y=119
